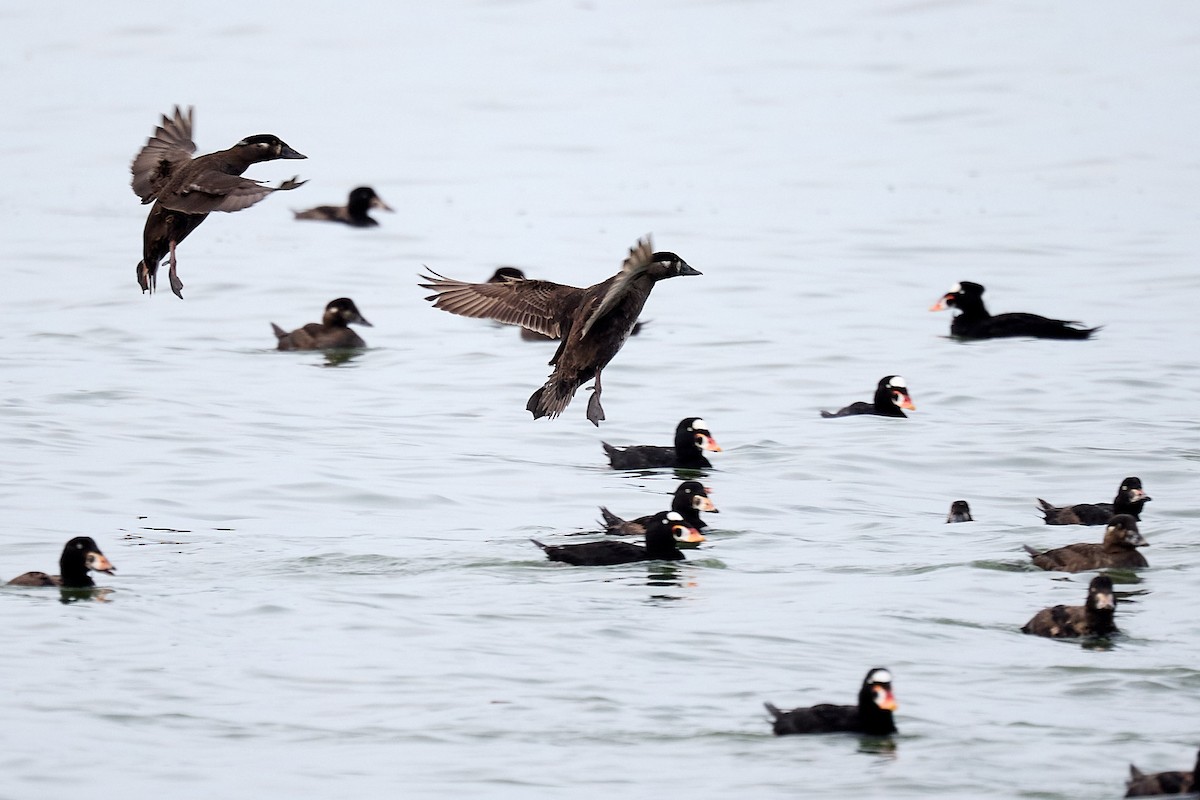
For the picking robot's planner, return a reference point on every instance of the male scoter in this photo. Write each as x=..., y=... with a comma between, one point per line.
x=330, y=333
x=1094, y=618
x=1141, y=784
x=663, y=534
x=690, y=499
x=593, y=322
x=78, y=556
x=959, y=512
x=1129, y=500
x=354, y=213
x=1121, y=537
x=976, y=323
x=185, y=189
x=692, y=437
x=891, y=396
x=872, y=715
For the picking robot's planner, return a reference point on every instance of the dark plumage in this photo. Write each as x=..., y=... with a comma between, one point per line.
x=513, y=273
x=959, y=512
x=78, y=556
x=690, y=499
x=593, y=322
x=1129, y=500
x=1121, y=537
x=331, y=332
x=692, y=438
x=872, y=715
x=1094, y=618
x=891, y=396
x=662, y=535
x=976, y=323
x=1141, y=784
x=185, y=190
x=354, y=213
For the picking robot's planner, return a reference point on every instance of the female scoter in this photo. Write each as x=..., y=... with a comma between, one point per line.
x=185, y=189
x=354, y=213
x=976, y=323
x=1129, y=500
x=593, y=322
x=872, y=715
x=690, y=499
x=692, y=437
x=662, y=535
x=513, y=273
x=891, y=395
x=1121, y=537
x=1141, y=784
x=331, y=332
x=1094, y=618
x=959, y=512
x=79, y=555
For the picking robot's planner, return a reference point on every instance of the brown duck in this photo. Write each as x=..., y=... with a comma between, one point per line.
x=354, y=213
x=1121, y=538
x=593, y=323
x=185, y=190
x=332, y=332
x=78, y=556
x=1094, y=618
x=1143, y=784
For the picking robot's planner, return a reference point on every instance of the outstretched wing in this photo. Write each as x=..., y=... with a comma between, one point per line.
x=641, y=256
x=216, y=191
x=542, y=306
x=169, y=147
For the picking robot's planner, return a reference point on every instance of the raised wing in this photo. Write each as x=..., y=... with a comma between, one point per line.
x=641, y=256
x=542, y=306
x=169, y=147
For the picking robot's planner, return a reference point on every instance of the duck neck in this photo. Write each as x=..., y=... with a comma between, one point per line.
x=74, y=574
x=884, y=405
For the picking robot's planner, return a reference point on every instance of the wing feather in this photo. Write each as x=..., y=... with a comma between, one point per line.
x=641, y=256
x=542, y=306
x=169, y=147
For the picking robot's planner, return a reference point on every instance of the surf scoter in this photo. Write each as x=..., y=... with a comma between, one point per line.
x=663, y=533
x=872, y=715
x=331, y=332
x=959, y=512
x=593, y=322
x=690, y=499
x=692, y=437
x=185, y=190
x=891, y=395
x=1129, y=500
x=354, y=213
x=1142, y=784
x=976, y=323
x=78, y=556
x=1121, y=537
x=1094, y=618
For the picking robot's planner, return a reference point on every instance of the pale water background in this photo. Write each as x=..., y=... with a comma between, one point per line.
x=325, y=586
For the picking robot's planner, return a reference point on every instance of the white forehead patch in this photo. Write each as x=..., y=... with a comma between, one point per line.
x=956, y=288
x=880, y=676
x=898, y=382
x=674, y=516
x=700, y=424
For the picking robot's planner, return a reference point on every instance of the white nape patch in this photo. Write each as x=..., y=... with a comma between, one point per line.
x=674, y=516
x=880, y=676
x=956, y=288
x=1105, y=601
x=898, y=382
x=700, y=425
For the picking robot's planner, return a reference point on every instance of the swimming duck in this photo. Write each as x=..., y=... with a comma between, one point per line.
x=1094, y=618
x=354, y=213
x=690, y=499
x=1121, y=537
x=78, y=556
x=891, y=396
x=662, y=535
x=976, y=323
x=331, y=332
x=593, y=322
x=692, y=437
x=185, y=190
x=1129, y=500
x=872, y=715
x=1142, y=784
x=959, y=512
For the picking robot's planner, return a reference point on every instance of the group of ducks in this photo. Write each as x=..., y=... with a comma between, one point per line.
x=591, y=325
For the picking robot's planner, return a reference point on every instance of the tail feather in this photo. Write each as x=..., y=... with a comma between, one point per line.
x=611, y=520
x=1048, y=511
x=545, y=547
x=552, y=399
x=1031, y=551
x=280, y=333
x=775, y=712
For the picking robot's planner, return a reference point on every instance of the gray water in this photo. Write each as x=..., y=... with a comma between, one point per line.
x=325, y=586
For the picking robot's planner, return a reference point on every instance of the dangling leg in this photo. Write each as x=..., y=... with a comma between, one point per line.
x=595, y=412
x=145, y=277
x=176, y=284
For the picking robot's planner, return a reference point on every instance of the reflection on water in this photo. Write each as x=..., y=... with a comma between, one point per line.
x=97, y=594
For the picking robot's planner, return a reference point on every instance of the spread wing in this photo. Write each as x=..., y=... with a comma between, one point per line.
x=169, y=147
x=218, y=191
x=541, y=306
x=641, y=256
